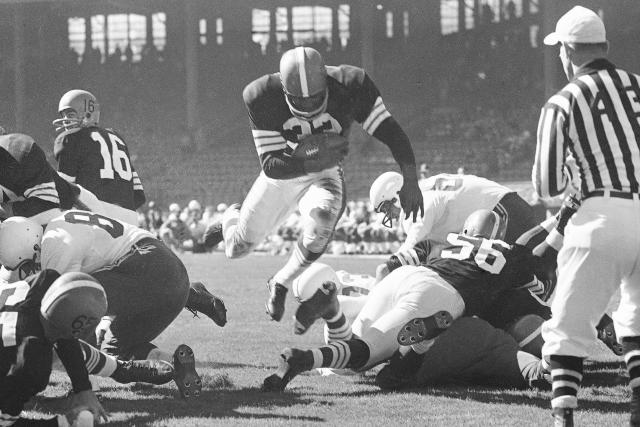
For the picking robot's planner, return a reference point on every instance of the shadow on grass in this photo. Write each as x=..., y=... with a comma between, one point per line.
x=156, y=404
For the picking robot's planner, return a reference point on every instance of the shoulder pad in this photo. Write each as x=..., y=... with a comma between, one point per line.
x=17, y=144
x=260, y=86
x=346, y=74
x=58, y=144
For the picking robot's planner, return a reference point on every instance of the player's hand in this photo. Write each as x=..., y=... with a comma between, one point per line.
x=101, y=330
x=411, y=197
x=381, y=272
x=86, y=400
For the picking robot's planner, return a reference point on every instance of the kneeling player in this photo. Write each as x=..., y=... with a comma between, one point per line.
x=146, y=284
x=43, y=312
x=465, y=277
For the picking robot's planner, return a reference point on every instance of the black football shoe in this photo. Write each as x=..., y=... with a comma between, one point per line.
x=203, y=301
x=156, y=372
x=424, y=328
x=187, y=379
x=277, y=298
x=323, y=301
x=607, y=334
x=292, y=362
x=212, y=235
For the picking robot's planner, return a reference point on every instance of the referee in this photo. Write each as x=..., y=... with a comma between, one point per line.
x=593, y=120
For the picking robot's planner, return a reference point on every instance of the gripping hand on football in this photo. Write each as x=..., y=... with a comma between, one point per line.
x=411, y=197
x=322, y=151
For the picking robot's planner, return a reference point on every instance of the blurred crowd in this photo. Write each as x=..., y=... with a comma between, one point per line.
x=359, y=230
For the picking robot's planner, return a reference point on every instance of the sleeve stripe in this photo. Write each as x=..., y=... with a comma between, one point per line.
x=66, y=177
x=257, y=133
x=270, y=141
x=137, y=187
x=377, y=115
x=272, y=147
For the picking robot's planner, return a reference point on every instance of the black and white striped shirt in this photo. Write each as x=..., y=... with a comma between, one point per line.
x=594, y=120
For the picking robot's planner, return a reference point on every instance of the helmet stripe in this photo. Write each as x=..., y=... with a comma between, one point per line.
x=302, y=70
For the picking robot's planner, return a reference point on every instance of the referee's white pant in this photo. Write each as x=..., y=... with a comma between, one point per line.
x=601, y=253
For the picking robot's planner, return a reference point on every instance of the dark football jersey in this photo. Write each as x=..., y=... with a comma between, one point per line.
x=479, y=269
x=27, y=180
x=352, y=97
x=20, y=307
x=98, y=159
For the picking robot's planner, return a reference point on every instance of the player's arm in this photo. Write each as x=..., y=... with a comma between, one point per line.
x=67, y=156
x=416, y=255
x=71, y=356
x=549, y=174
x=139, y=197
x=39, y=192
x=269, y=142
x=435, y=204
x=378, y=122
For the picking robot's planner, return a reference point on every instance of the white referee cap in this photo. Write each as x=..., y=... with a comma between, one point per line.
x=579, y=25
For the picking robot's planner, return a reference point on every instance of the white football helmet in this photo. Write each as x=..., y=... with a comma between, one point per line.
x=485, y=223
x=384, y=198
x=304, y=81
x=20, y=240
x=77, y=108
x=305, y=285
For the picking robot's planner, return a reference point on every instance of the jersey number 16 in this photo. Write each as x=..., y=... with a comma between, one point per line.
x=114, y=159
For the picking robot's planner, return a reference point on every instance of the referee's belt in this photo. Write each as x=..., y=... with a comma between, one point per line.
x=612, y=193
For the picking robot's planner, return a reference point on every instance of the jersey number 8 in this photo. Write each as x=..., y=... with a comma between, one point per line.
x=113, y=159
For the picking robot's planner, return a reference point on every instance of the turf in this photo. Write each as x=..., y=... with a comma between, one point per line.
x=235, y=359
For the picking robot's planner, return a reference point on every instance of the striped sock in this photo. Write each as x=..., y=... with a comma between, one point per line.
x=8, y=420
x=631, y=347
x=338, y=328
x=566, y=374
x=353, y=354
x=97, y=362
x=300, y=259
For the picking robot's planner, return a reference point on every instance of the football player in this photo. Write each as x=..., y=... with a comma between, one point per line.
x=463, y=277
x=470, y=351
x=300, y=119
x=146, y=283
x=29, y=184
x=96, y=158
x=448, y=200
x=28, y=338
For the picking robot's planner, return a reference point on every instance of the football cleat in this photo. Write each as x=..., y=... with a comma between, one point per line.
x=323, y=302
x=607, y=334
x=187, y=379
x=212, y=235
x=277, y=298
x=203, y=301
x=292, y=362
x=156, y=372
x=425, y=328
x=562, y=417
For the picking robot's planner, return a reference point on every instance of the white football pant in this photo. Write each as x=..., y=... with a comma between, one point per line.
x=601, y=253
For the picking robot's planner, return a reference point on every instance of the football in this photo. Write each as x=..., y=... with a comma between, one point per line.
x=72, y=306
x=305, y=285
x=310, y=146
x=526, y=331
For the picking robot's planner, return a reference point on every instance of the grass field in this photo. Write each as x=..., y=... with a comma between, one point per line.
x=235, y=359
